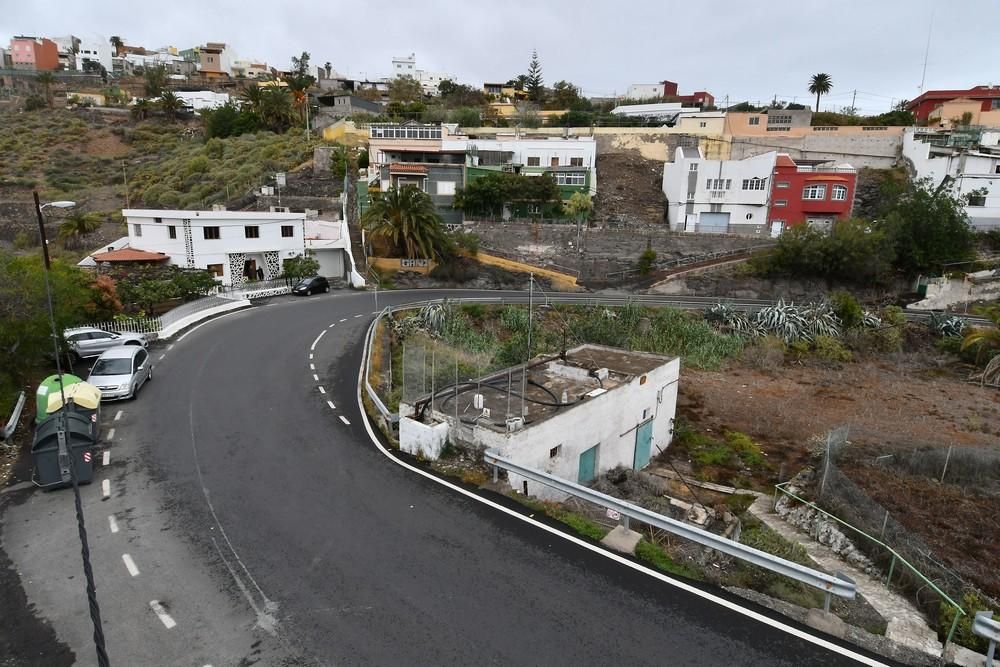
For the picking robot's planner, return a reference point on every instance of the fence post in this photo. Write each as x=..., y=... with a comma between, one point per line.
x=885, y=522
x=947, y=458
x=892, y=566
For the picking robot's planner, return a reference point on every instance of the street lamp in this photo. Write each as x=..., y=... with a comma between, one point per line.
x=65, y=446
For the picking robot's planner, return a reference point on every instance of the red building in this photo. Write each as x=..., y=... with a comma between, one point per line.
x=988, y=96
x=818, y=196
x=34, y=54
x=701, y=97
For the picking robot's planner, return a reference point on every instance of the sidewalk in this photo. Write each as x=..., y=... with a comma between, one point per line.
x=906, y=625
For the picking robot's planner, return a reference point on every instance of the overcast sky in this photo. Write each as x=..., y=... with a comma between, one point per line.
x=740, y=50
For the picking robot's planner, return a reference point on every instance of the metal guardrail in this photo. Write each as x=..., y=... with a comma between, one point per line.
x=984, y=626
x=8, y=429
x=830, y=585
x=896, y=557
x=694, y=259
x=372, y=394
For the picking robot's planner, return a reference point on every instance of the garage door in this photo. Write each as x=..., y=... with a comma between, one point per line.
x=713, y=223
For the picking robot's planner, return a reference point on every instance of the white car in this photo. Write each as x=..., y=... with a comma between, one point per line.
x=87, y=342
x=121, y=371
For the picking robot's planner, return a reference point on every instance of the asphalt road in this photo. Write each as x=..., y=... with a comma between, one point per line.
x=348, y=558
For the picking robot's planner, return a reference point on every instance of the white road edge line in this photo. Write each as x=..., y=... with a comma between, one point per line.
x=112, y=523
x=130, y=565
x=332, y=406
x=106, y=459
x=111, y=433
x=344, y=419
x=315, y=378
x=322, y=391
x=162, y=614
x=722, y=602
x=118, y=415
x=317, y=339
x=214, y=319
x=343, y=319
x=105, y=489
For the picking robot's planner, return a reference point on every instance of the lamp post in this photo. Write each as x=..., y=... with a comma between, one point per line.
x=65, y=445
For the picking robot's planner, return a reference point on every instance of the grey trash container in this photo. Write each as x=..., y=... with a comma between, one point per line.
x=52, y=460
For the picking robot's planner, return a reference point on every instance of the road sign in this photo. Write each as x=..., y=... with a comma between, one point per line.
x=86, y=457
x=280, y=178
x=614, y=515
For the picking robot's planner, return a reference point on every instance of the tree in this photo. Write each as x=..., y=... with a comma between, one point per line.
x=300, y=266
x=278, y=109
x=527, y=114
x=578, y=206
x=466, y=117
x=78, y=225
x=141, y=109
x=820, y=84
x=405, y=218
x=299, y=81
x=488, y=195
x=118, y=44
x=45, y=80
x=156, y=80
x=405, y=89
x=170, y=104
x=252, y=99
x=564, y=96
x=328, y=66
x=533, y=82
x=929, y=228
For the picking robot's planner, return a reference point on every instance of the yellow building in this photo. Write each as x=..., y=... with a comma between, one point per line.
x=950, y=114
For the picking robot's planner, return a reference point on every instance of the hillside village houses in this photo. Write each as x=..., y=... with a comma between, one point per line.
x=429, y=81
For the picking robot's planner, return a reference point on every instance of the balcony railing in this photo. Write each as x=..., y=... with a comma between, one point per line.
x=825, y=170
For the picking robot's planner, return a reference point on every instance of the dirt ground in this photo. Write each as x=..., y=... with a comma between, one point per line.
x=629, y=189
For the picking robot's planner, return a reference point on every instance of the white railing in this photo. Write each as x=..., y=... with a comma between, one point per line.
x=131, y=325
x=820, y=170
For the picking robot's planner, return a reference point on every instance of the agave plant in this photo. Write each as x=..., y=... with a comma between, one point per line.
x=871, y=320
x=737, y=322
x=947, y=325
x=435, y=316
x=822, y=320
x=785, y=321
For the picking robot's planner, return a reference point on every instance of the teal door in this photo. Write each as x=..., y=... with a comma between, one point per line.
x=643, y=444
x=588, y=466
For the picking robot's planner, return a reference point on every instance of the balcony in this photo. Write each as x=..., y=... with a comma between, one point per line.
x=825, y=170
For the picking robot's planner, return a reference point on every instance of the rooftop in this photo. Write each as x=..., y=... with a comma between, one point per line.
x=552, y=384
x=130, y=255
x=406, y=168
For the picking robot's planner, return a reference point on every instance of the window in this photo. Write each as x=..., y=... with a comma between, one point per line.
x=781, y=202
x=446, y=188
x=576, y=162
x=754, y=183
x=287, y=231
x=251, y=231
x=839, y=193
x=172, y=231
x=140, y=359
x=702, y=124
x=534, y=162
x=780, y=128
x=693, y=166
x=753, y=120
x=534, y=209
x=157, y=220
x=814, y=192
x=137, y=230
x=210, y=232
x=997, y=170
x=976, y=200
x=781, y=184
x=719, y=183
x=554, y=162
x=779, y=120
x=215, y=269
x=570, y=178
x=555, y=451
x=691, y=196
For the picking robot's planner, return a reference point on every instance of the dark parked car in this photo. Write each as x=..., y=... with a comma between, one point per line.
x=310, y=286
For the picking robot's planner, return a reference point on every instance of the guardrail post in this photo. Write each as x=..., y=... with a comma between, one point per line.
x=496, y=474
x=826, y=601
x=625, y=521
x=892, y=566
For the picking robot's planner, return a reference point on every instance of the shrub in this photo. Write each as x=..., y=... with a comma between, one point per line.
x=971, y=602
x=766, y=353
x=744, y=447
x=828, y=348
x=847, y=309
x=646, y=261
x=34, y=103
x=23, y=241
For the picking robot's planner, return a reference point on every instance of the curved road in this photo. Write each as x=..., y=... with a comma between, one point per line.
x=351, y=559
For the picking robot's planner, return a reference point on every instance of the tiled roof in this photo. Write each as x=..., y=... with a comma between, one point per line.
x=405, y=168
x=784, y=161
x=130, y=255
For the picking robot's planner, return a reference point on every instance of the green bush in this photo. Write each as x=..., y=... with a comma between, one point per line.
x=646, y=261
x=971, y=603
x=847, y=309
x=744, y=446
x=828, y=348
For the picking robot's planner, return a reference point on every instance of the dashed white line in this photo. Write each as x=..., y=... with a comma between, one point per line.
x=105, y=489
x=332, y=325
x=317, y=339
x=118, y=415
x=315, y=377
x=344, y=419
x=343, y=319
x=111, y=433
x=332, y=406
x=162, y=614
x=160, y=358
x=130, y=565
x=112, y=524
x=322, y=391
x=312, y=367
x=359, y=315
x=106, y=460
x=170, y=347
x=310, y=355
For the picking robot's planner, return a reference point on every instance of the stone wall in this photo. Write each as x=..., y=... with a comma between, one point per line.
x=876, y=151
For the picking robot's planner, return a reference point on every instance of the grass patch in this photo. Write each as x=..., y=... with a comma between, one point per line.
x=743, y=575
x=654, y=555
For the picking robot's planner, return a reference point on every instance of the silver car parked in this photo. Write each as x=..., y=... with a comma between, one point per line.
x=87, y=342
x=121, y=371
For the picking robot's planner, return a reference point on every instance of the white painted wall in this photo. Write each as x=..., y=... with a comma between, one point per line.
x=203, y=99
x=608, y=421
x=419, y=439
x=644, y=91
x=736, y=201
x=94, y=48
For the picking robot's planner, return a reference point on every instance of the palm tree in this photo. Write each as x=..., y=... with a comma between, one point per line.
x=820, y=84
x=77, y=226
x=329, y=69
x=252, y=98
x=117, y=42
x=141, y=109
x=406, y=218
x=45, y=80
x=170, y=104
x=277, y=112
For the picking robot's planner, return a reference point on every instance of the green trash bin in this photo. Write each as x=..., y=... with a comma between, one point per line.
x=50, y=385
x=51, y=454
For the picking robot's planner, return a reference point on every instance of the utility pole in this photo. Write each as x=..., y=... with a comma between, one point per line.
x=125, y=179
x=853, y=98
